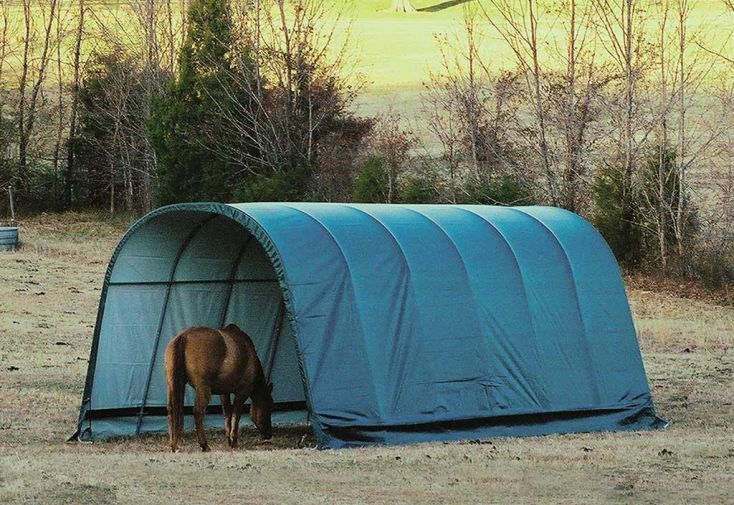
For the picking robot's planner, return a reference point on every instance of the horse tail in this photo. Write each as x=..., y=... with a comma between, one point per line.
x=176, y=381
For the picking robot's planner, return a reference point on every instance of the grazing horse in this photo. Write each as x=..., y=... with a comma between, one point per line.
x=219, y=362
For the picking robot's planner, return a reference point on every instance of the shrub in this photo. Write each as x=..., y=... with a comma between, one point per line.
x=372, y=181
x=420, y=188
x=712, y=262
x=504, y=189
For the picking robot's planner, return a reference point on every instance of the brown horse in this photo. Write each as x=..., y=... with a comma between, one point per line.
x=219, y=362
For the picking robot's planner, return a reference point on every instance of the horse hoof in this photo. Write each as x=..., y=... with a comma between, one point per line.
x=205, y=448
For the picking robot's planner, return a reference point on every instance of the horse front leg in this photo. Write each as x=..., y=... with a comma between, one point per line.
x=227, y=410
x=238, y=407
x=203, y=394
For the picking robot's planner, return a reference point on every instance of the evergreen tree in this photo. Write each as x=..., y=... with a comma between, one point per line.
x=184, y=130
x=372, y=181
x=617, y=214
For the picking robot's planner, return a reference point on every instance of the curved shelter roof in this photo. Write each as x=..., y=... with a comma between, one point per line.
x=379, y=323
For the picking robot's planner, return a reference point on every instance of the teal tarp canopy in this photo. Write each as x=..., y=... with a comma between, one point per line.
x=378, y=323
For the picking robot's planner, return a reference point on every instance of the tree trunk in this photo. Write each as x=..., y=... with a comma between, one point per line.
x=534, y=47
x=171, y=43
x=22, y=88
x=69, y=176
x=662, y=161
x=473, y=113
x=572, y=154
x=680, y=213
x=59, y=106
x=402, y=6
x=3, y=48
x=291, y=95
x=628, y=34
x=27, y=105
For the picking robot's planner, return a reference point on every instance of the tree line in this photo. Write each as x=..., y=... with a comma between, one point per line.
x=625, y=117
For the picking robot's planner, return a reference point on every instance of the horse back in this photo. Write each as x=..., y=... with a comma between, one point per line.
x=204, y=351
x=221, y=359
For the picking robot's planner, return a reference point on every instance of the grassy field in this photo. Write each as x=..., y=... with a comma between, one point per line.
x=396, y=53
x=392, y=53
x=49, y=291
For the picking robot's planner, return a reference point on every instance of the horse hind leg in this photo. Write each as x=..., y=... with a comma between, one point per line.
x=227, y=410
x=203, y=395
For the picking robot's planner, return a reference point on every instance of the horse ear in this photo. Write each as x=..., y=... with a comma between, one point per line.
x=233, y=329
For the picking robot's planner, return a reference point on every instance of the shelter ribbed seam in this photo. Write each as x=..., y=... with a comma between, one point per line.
x=572, y=278
x=538, y=400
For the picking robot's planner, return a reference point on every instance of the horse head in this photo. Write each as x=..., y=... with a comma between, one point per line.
x=261, y=409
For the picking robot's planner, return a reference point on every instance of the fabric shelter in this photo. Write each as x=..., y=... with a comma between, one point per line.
x=378, y=324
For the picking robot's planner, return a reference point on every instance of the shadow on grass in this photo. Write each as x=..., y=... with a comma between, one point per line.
x=284, y=437
x=443, y=5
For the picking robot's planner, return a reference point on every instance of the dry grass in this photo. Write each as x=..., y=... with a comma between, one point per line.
x=668, y=322
x=48, y=296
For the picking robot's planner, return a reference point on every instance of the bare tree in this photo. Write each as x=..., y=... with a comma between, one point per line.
x=581, y=84
x=74, y=107
x=657, y=204
x=666, y=208
x=562, y=97
x=622, y=22
x=152, y=40
x=4, y=41
x=112, y=142
x=291, y=48
x=439, y=105
x=28, y=98
x=60, y=112
x=686, y=79
x=517, y=24
x=5, y=50
x=6, y=126
x=466, y=108
x=171, y=36
x=392, y=142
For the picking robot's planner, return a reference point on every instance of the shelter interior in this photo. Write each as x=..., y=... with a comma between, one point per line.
x=205, y=269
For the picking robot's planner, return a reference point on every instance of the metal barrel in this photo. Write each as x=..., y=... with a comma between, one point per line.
x=8, y=238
